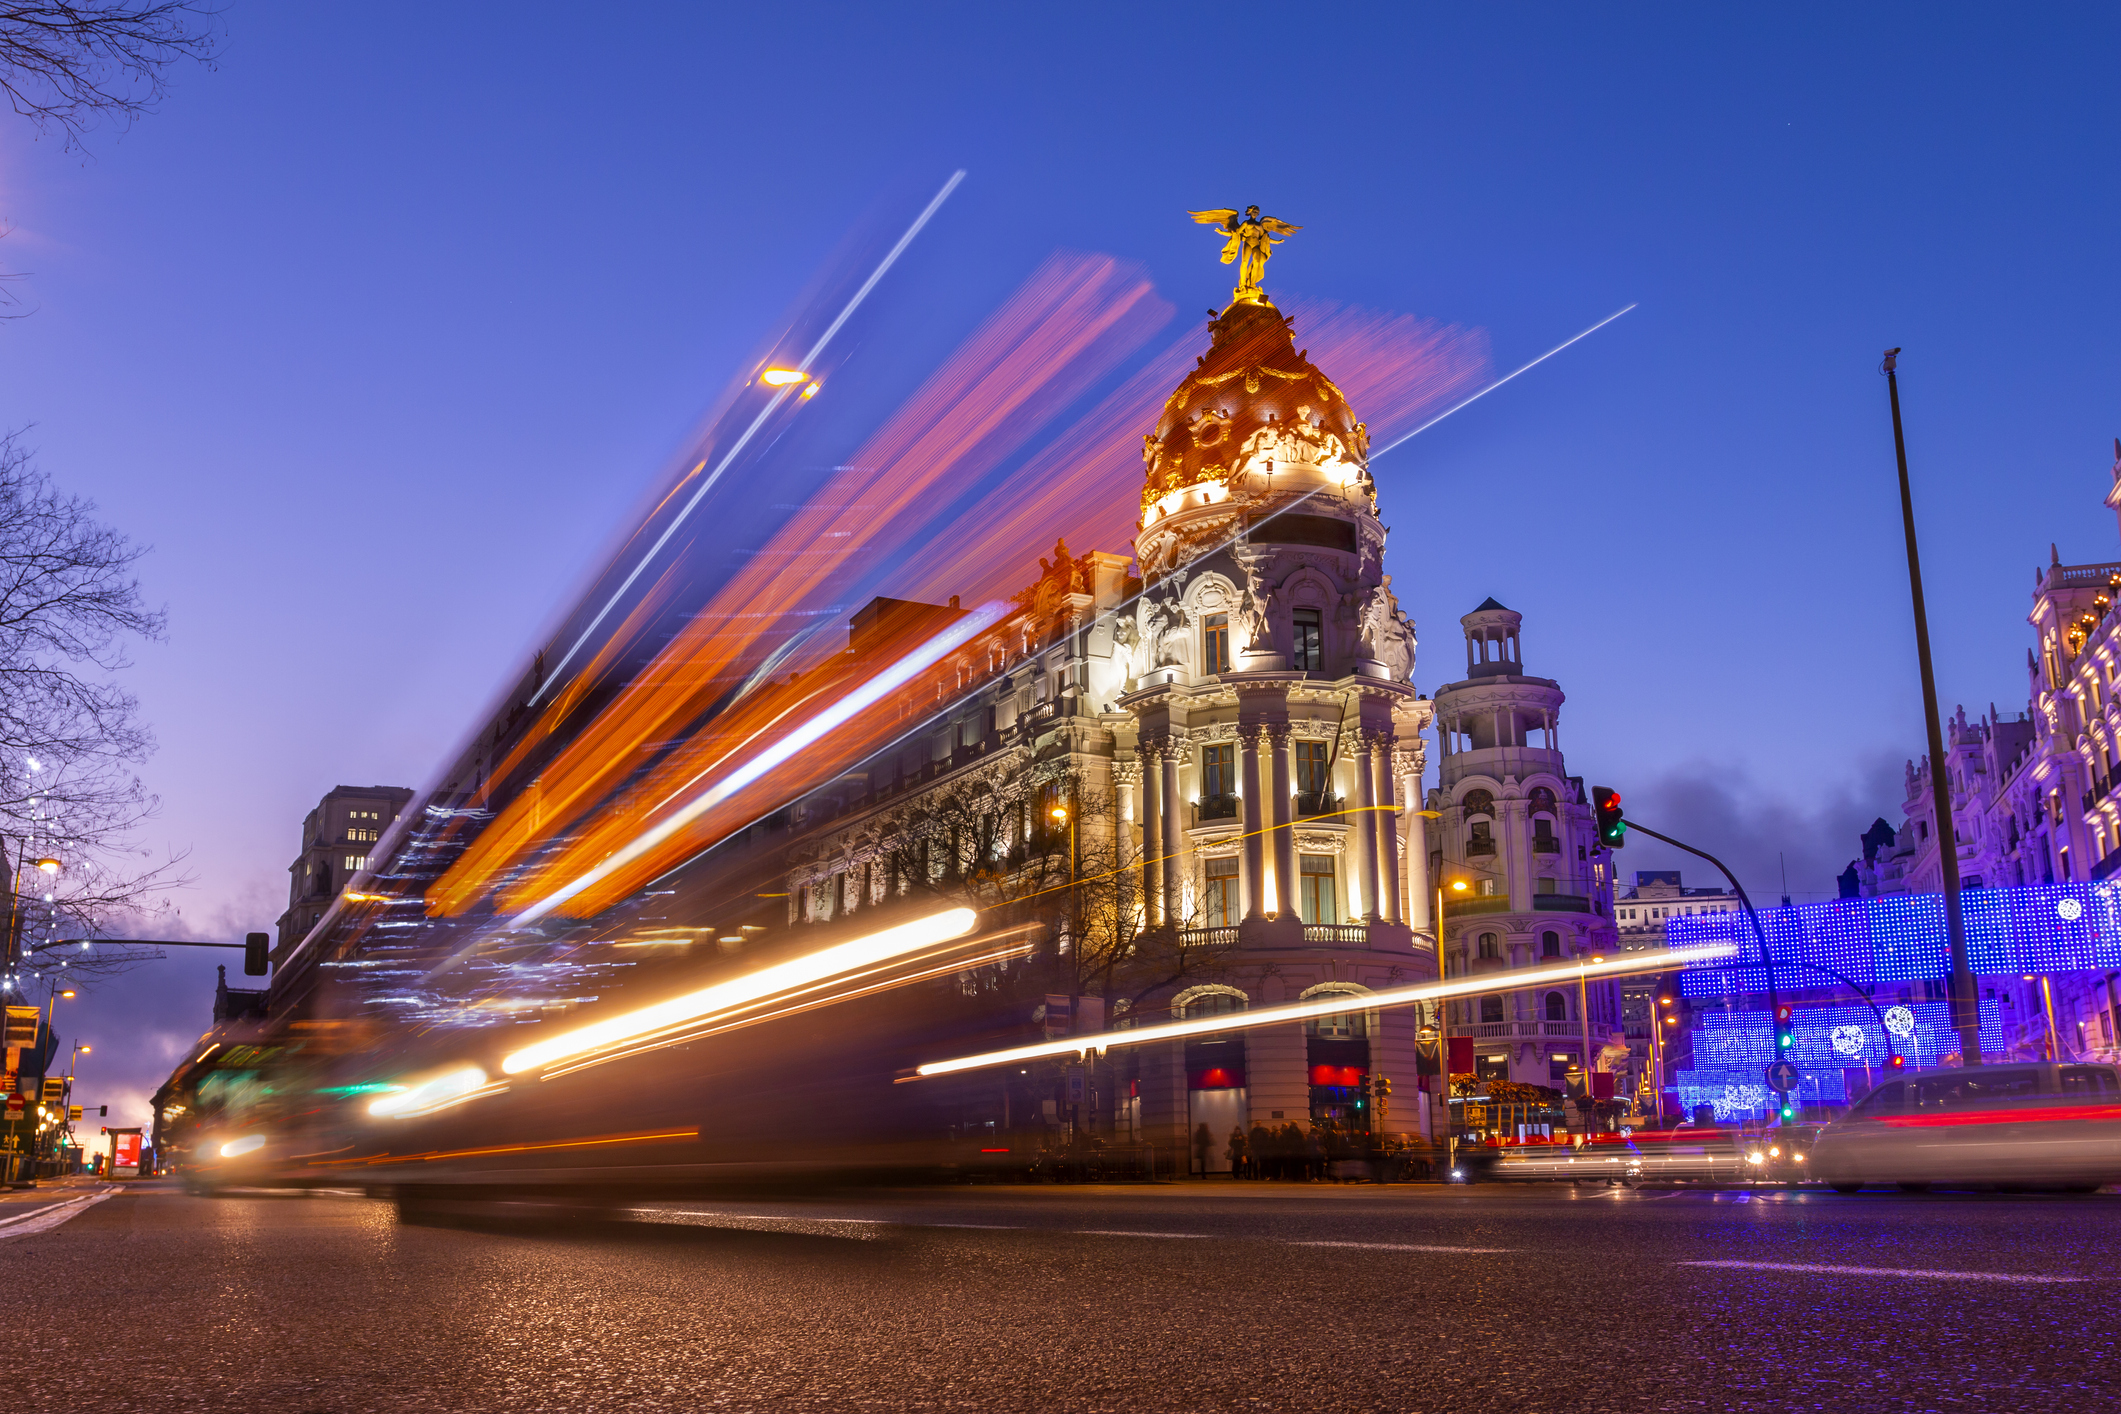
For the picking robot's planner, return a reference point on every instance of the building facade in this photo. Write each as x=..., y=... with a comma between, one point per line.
x=1526, y=881
x=1204, y=776
x=2035, y=797
x=337, y=838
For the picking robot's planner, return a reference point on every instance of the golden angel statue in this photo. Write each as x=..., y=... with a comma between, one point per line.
x=1251, y=242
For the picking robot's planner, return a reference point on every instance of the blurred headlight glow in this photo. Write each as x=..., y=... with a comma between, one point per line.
x=430, y=1094
x=237, y=1148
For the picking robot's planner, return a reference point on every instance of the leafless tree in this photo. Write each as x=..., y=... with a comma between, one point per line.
x=70, y=737
x=66, y=67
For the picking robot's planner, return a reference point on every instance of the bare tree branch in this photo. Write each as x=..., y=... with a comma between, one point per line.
x=70, y=739
x=66, y=67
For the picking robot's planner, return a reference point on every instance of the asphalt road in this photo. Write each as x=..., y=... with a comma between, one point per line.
x=1202, y=1296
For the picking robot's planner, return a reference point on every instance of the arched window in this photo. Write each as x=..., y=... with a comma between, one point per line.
x=1491, y=1009
x=1351, y=1025
x=1490, y=945
x=1542, y=800
x=1550, y=945
x=1209, y=1001
x=1557, y=1004
x=1478, y=802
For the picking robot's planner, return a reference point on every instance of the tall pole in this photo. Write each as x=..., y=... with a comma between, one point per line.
x=1966, y=1015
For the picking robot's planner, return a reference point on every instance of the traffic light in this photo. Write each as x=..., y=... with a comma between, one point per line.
x=1382, y=1092
x=1612, y=829
x=1785, y=1030
x=1896, y=1063
x=254, y=946
x=1789, y=1110
x=103, y=1112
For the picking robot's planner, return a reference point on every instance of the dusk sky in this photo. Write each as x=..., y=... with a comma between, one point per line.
x=379, y=331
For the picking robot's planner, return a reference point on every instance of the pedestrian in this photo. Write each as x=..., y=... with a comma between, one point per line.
x=1203, y=1145
x=1260, y=1145
x=1236, y=1152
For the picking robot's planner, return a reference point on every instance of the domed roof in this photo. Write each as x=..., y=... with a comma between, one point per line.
x=1252, y=377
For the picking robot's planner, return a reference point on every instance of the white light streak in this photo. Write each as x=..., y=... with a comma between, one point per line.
x=693, y=1006
x=1499, y=382
x=744, y=441
x=1336, y=1003
x=237, y=1148
x=429, y=1095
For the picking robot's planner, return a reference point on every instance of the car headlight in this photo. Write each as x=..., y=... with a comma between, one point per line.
x=237, y=1148
x=1799, y=1158
x=1756, y=1157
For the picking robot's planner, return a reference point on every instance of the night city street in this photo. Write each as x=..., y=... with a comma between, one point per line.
x=1315, y=1298
x=922, y=706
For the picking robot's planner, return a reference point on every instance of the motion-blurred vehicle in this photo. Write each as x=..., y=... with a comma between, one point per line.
x=2002, y=1126
x=1781, y=1155
x=1690, y=1154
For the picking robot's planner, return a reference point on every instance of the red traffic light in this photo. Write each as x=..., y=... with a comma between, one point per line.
x=1896, y=1063
x=1784, y=1014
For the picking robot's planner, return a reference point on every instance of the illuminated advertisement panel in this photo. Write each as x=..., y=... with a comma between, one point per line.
x=1835, y=1045
x=2039, y=928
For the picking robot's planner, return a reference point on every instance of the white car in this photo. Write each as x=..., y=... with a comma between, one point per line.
x=2002, y=1126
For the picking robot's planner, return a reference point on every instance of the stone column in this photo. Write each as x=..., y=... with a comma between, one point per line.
x=1255, y=821
x=1420, y=888
x=1126, y=780
x=1152, y=752
x=1174, y=834
x=1366, y=831
x=1286, y=880
x=1387, y=829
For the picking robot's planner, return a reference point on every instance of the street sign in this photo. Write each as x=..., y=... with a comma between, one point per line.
x=73, y=1112
x=54, y=1087
x=22, y=1027
x=1782, y=1076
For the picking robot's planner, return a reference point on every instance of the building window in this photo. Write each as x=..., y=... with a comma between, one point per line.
x=1544, y=885
x=1490, y=946
x=1550, y=945
x=1543, y=839
x=1315, y=896
x=1218, y=771
x=1491, y=1009
x=1215, y=644
x=356, y=861
x=1309, y=641
x=1220, y=895
x=1557, y=1004
x=1311, y=767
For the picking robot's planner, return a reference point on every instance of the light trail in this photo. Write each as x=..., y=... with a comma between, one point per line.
x=741, y=991
x=1621, y=965
x=831, y=718
x=1499, y=382
x=742, y=442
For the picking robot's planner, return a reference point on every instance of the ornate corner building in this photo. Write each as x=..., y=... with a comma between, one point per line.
x=1525, y=880
x=1205, y=776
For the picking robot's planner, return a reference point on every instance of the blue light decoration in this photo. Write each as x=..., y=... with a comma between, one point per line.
x=1731, y=1049
x=2036, y=928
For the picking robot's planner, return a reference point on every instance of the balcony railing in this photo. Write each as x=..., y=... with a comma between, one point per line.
x=1476, y=845
x=1545, y=844
x=1214, y=807
x=1562, y=903
x=1207, y=937
x=1317, y=802
x=1335, y=933
x=1496, y=903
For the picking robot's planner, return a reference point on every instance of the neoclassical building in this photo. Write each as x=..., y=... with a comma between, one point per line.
x=1516, y=830
x=1205, y=771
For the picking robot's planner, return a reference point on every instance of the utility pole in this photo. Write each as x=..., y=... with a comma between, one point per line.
x=1966, y=1011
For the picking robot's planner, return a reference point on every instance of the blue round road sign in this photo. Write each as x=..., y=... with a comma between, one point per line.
x=1782, y=1076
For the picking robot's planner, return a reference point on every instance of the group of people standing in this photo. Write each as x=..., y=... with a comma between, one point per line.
x=1287, y=1151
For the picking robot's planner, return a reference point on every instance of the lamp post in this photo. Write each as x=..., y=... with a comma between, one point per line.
x=1966, y=1013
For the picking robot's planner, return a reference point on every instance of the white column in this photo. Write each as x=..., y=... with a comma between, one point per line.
x=1286, y=881
x=1387, y=828
x=1174, y=835
x=1366, y=836
x=1255, y=821
x=1153, y=832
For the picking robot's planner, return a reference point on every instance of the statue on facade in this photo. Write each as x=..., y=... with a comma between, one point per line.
x=1251, y=241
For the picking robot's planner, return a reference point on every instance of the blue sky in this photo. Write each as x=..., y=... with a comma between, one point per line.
x=379, y=330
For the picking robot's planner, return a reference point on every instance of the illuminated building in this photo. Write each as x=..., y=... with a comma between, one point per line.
x=1205, y=774
x=1516, y=831
x=337, y=838
x=2036, y=799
